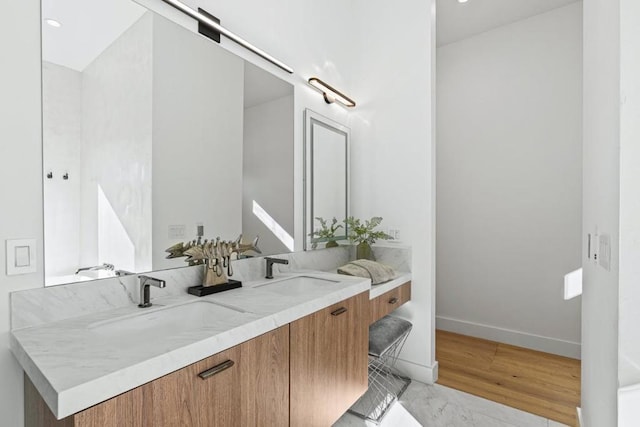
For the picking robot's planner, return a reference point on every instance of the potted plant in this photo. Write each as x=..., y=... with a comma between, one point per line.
x=326, y=232
x=364, y=235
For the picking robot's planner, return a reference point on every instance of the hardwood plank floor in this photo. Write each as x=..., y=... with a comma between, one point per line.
x=540, y=383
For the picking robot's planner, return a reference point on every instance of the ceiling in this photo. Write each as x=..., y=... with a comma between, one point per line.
x=91, y=26
x=456, y=21
x=88, y=28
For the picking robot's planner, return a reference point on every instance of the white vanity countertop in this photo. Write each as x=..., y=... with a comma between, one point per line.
x=74, y=368
x=377, y=290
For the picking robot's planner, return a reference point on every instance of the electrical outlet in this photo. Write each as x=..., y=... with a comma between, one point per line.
x=394, y=233
x=177, y=231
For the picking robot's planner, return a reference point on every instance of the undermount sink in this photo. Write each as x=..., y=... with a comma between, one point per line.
x=165, y=321
x=296, y=285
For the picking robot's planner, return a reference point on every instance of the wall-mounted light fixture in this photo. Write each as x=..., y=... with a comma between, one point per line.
x=330, y=94
x=206, y=20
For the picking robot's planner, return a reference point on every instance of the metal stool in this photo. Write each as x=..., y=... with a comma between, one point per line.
x=386, y=338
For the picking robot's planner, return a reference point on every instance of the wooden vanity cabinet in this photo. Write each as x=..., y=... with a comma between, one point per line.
x=307, y=373
x=246, y=385
x=389, y=301
x=328, y=362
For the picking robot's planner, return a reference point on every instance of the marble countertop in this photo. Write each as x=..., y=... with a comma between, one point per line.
x=74, y=368
x=377, y=290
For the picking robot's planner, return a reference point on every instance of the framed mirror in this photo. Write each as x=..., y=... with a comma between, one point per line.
x=326, y=172
x=151, y=131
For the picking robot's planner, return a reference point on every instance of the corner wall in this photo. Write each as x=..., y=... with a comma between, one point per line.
x=393, y=159
x=203, y=139
x=509, y=182
x=20, y=175
x=601, y=209
x=268, y=151
x=629, y=291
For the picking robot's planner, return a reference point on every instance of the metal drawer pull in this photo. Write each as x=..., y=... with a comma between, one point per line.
x=216, y=369
x=393, y=300
x=339, y=311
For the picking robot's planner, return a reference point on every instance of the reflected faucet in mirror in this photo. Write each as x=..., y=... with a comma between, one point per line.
x=105, y=266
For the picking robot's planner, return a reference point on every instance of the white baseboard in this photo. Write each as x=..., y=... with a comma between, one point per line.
x=579, y=411
x=508, y=336
x=415, y=371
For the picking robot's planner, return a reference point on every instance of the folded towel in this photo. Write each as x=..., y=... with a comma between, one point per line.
x=378, y=273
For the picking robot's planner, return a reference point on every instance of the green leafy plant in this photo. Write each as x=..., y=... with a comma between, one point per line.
x=326, y=231
x=363, y=232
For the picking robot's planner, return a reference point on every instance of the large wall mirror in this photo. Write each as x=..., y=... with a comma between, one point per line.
x=149, y=131
x=326, y=176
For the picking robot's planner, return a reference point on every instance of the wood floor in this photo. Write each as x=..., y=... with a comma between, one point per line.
x=539, y=383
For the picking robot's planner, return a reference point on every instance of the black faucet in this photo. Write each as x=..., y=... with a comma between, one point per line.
x=145, y=294
x=270, y=262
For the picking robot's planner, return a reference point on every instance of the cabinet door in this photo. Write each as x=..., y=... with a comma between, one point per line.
x=265, y=379
x=328, y=362
x=205, y=394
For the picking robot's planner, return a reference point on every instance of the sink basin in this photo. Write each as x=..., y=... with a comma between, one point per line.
x=164, y=322
x=298, y=285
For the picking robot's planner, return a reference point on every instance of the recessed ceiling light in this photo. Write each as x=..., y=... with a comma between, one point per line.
x=53, y=23
x=462, y=1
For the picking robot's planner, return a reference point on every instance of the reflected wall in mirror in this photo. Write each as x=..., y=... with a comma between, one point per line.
x=150, y=130
x=326, y=176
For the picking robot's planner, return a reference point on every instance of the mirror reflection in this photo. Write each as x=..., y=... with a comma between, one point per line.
x=150, y=131
x=327, y=179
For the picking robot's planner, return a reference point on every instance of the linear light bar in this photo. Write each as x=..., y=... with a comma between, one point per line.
x=331, y=94
x=205, y=20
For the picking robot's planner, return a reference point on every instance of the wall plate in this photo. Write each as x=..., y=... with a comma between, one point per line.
x=21, y=256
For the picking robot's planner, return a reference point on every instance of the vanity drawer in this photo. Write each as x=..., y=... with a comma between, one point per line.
x=389, y=301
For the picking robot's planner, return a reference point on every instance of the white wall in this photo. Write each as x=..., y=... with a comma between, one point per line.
x=629, y=291
x=393, y=159
x=509, y=182
x=268, y=152
x=20, y=175
x=116, y=148
x=601, y=180
x=197, y=143
x=62, y=142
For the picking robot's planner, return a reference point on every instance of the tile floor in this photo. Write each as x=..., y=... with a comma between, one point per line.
x=438, y=406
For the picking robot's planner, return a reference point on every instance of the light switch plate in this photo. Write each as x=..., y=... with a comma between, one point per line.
x=21, y=256
x=604, y=246
x=177, y=232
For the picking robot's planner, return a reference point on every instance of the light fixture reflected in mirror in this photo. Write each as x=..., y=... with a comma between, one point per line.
x=330, y=94
x=53, y=23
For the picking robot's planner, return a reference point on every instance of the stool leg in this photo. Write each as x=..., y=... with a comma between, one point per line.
x=385, y=385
